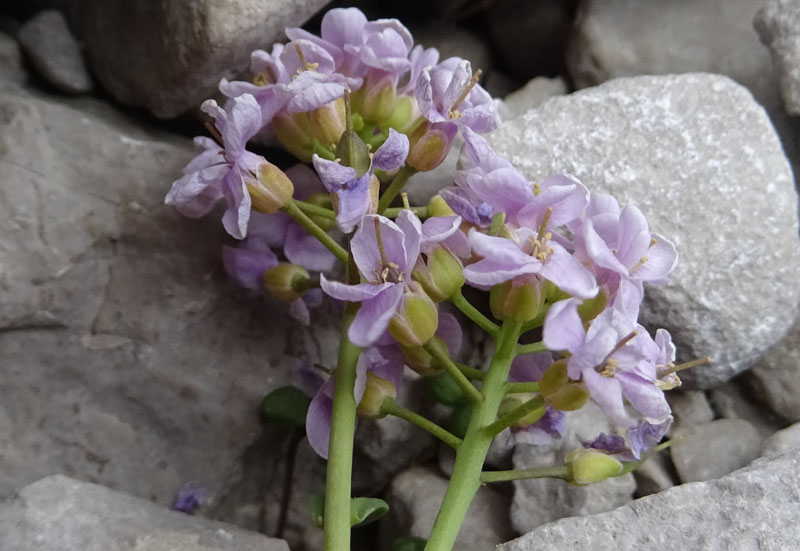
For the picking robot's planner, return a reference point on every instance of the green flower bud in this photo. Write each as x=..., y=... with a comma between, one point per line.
x=375, y=100
x=441, y=275
x=513, y=401
x=519, y=299
x=376, y=391
x=296, y=134
x=437, y=206
x=271, y=190
x=404, y=115
x=553, y=294
x=445, y=390
x=416, y=320
x=321, y=199
x=591, y=308
x=428, y=147
x=420, y=360
x=287, y=281
x=559, y=391
x=589, y=465
x=353, y=152
x=328, y=121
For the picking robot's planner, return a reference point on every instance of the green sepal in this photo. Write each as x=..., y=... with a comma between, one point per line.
x=363, y=510
x=286, y=406
x=409, y=543
x=353, y=152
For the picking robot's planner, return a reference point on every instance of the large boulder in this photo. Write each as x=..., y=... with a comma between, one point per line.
x=699, y=156
x=778, y=25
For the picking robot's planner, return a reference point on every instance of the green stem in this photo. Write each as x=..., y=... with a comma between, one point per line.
x=316, y=210
x=301, y=218
x=471, y=454
x=340, y=448
x=541, y=472
x=521, y=387
x=322, y=151
x=421, y=212
x=515, y=415
x=531, y=348
x=440, y=353
x=394, y=188
x=474, y=314
x=470, y=372
x=390, y=407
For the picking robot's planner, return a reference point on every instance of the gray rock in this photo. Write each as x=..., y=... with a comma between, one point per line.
x=778, y=25
x=754, y=508
x=686, y=149
x=655, y=475
x=542, y=500
x=736, y=400
x=714, y=449
x=129, y=359
x=424, y=185
x=59, y=513
x=776, y=377
x=11, y=70
x=499, y=84
x=689, y=407
x=55, y=53
x=781, y=441
x=415, y=496
x=182, y=48
x=533, y=94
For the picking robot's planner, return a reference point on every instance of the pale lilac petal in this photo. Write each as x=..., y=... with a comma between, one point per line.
x=237, y=215
x=373, y=317
x=210, y=154
x=354, y=203
x=438, y=229
x=499, y=249
x=271, y=228
x=395, y=26
x=504, y=188
x=487, y=273
x=458, y=243
x=606, y=392
x=246, y=264
x=306, y=250
x=385, y=362
x=311, y=90
x=392, y=154
x=342, y=26
x=481, y=118
x=633, y=236
x=312, y=52
x=628, y=298
x=646, y=435
x=412, y=230
x=211, y=108
x=664, y=342
x=602, y=203
x=420, y=59
x=530, y=367
x=661, y=260
x=569, y=274
x=600, y=251
x=459, y=80
x=645, y=397
x=351, y=293
x=385, y=49
x=332, y=174
x=566, y=196
x=449, y=330
x=563, y=328
x=423, y=92
x=364, y=246
x=305, y=181
x=195, y=194
x=318, y=419
x=308, y=378
x=244, y=122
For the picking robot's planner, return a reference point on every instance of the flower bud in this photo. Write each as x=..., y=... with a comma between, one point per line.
x=589, y=465
x=296, y=134
x=271, y=189
x=513, y=401
x=404, y=115
x=559, y=391
x=287, y=281
x=519, y=299
x=376, y=391
x=437, y=206
x=429, y=144
x=416, y=319
x=591, y=308
x=375, y=100
x=328, y=121
x=441, y=275
x=321, y=199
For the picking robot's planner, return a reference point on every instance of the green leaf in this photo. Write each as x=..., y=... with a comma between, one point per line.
x=364, y=510
x=316, y=506
x=286, y=406
x=444, y=389
x=409, y=543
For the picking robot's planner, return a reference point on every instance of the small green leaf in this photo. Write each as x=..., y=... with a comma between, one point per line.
x=444, y=389
x=364, y=510
x=286, y=406
x=409, y=543
x=316, y=506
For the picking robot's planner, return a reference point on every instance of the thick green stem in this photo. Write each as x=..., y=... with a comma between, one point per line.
x=521, y=387
x=340, y=447
x=301, y=218
x=390, y=407
x=471, y=453
x=470, y=372
x=474, y=314
x=515, y=415
x=531, y=348
x=439, y=352
x=395, y=187
x=315, y=210
x=560, y=471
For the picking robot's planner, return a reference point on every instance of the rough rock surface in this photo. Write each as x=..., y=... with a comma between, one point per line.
x=776, y=377
x=714, y=449
x=754, y=508
x=778, y=25
x=11, y=69
x=55, y=52
x=541, y=500
x=688, y=150
x=415, y=496
x=182, y=48
x=59, y=513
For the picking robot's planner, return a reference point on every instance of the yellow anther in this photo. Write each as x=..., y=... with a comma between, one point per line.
x=653, y=241
x=537, y=189
x=261, y=79
x=306, y=65
x=609, y=368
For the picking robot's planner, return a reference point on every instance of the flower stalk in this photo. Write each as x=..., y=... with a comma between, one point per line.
x=390, y=407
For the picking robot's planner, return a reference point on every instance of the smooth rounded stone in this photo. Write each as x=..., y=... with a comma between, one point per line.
x=182, y=48
x=540, y=500
x=753, y=508
x=531, y=36
x=655, y=475
x=782, y=441
x=737, y=399
x=55, y=53
x=686, y=149
x=414, y=498
x=714, y=449
x=533, y=94
x=11, y=69
x=778, y=25
x=776, y=377
x=59, y=513
x=128, y=356
x=455, y=41
x=689, y=407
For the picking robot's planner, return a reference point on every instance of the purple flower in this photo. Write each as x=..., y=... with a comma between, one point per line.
x=216, y=173
x=189, y=498
x=385, y=253
x=639, y=438
x=342, y=35
x=530, y=368
x=247, y=263
x=387, y=44
x=354, y=195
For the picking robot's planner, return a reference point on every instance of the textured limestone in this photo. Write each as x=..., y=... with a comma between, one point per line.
x=778, y=25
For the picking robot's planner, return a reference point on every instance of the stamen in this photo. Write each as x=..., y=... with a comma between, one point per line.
x=306, y=65
x=379, y=239
x=214, y=134
x=404, y=197
x=537, y=189
x=609, y=365
x=638, y=264
x=653, y=241
x=261, y=79
x=610, y=368
x=453, y=112
x=680, y=367
x=348, y=113
x=543, y=225
x=625, y=340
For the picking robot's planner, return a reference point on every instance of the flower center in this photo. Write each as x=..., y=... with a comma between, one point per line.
x=306, y=65
x=609, y=365
x=540, y=249
x=453, y=112
x=389, y=271
x=642, y=260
